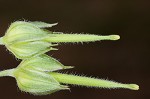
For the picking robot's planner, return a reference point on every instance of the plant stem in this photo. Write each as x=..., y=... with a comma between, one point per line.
x=8, y=72
x=56, y=38
x=90, y=82
x=1, y=41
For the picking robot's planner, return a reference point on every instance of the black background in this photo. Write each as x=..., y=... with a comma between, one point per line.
x=126, y=60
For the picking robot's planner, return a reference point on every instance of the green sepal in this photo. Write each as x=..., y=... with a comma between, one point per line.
x=21, y=28
x=43, y=63
x=43, y=24
x=36, y=82
x=24, y=50
x=25, y=40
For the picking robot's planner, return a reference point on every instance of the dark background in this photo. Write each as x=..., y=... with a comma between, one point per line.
x=126, y=60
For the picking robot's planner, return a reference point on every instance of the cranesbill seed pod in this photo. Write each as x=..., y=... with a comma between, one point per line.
x=28, y=39
x=38, y=76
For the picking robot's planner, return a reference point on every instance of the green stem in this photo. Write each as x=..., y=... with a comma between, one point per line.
x=55, y=38
x=1, y=41
x=90, y=82
x=8, y=72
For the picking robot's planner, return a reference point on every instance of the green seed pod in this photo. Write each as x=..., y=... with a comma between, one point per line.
x=28, y=39
x=25, y=39
x=38, y=76
x=32, y=75
x=37, y=82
